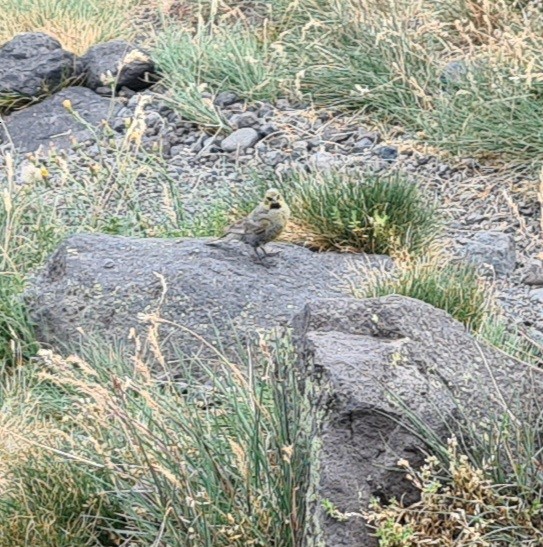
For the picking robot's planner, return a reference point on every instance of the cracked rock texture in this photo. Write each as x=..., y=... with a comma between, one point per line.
x=375, y=360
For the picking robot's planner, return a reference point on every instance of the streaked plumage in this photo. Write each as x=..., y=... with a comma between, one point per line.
x=262, y=225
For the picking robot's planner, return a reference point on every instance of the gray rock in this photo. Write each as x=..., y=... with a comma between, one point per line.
x=533, y=273
x=118, y=63
x=245, y=119
x=494, y=249
x=273, y=157
x=240, y=140
x=267, y=129
x=387, y=153
x=49, y=123
x=226, y=98
x=363, y=144
x=33, y=64
x=220, y=287
x=366, y=356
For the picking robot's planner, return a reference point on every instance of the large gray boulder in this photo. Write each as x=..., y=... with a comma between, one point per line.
x=34, y=63
x=120, y=63
x=375, y=361
x=99, y=285
x=50, y=124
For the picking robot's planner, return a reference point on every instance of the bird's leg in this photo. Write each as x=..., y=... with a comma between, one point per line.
x=261, y=258
x=257, y=254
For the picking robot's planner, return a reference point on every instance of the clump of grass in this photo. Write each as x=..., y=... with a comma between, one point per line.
x=356, y=210
x=461, y=505
x=453, y=287
x=213, y=59
x=140, y=458
x=75, y=23
x=17, y=341
x=383, y=58
x=54, y=503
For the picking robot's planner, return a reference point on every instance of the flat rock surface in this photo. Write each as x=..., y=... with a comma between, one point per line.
x=98, y=285
x=49, y=123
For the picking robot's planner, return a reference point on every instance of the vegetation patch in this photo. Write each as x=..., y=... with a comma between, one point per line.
x=77, y=24
x=453, y=287
x=355, y=211
x=388, y=59
x=138, y=459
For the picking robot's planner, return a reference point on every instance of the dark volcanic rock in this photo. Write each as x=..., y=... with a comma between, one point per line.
x=101, y=283
x=120, y=63
x=367, y=356
x=34, y=63
x=50, y=123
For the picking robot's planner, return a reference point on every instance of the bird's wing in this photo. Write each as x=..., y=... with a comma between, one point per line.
x=255, y=224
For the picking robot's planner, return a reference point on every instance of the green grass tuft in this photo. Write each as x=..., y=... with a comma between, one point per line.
x=453, y=287
x=358, y=211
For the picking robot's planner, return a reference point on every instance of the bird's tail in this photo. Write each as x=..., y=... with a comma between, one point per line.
x=217, y=240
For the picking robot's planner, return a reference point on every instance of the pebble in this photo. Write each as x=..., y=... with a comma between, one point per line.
x=240, y=140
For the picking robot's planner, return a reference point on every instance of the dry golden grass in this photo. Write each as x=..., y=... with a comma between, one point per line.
x=77, y=24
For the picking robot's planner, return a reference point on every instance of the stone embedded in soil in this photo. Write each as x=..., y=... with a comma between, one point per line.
x=245, y=119
x=494, y=249
x=387, y=153
x=533, y=273
x=49, y=123
x=240, y=140
x=226, y=98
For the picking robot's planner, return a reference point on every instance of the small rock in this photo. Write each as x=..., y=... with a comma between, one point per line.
x=176, y=150
x=225, y=98
x=240, y=140
x=388, y=153
x=126, y=92
x=322, y=160
x=152, y=119
x=267, y=129
x=363, y=144
x=494, y=249
x=245, y=119
x=283, y=104
x=442, y=169
x=104, y=91
x=533, y=274
x=273, y=158
x=120, y=63
x=299, y=149
x=265, y=110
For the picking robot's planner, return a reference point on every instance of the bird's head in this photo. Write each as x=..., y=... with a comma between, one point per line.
x=273, y=199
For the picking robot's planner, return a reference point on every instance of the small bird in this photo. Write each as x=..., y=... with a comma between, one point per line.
x=265, y=222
